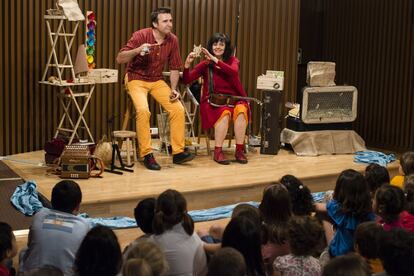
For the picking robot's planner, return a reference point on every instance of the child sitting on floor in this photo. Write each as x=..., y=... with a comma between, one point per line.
x=396, y=251
x=227, y=261
x=376, y=176
x=300, y=196
x=215, y=233
x=276, y=210
x=8, y=248
x=347, y=265
x=350, y=206
x=305, y=236
x=388, y=204
x=406, y=168
x=367, y=238
x=407, y=216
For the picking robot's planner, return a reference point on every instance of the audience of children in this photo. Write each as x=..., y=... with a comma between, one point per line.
x=56, y=234
x=244, y=234
x=145, y=258
x=367, y=238
x=174, y=234
x=8, y=248
x=350, y=206
x=406, y=168
x=346, y=265
x=276, y=210
x=227, y=261
x=99, y=253
x=306, y=234
x=388, y=204
x=281, y=237
x=300, y=196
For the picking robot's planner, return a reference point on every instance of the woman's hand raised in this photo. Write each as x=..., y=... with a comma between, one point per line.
x=209, y=56
x=190, y=58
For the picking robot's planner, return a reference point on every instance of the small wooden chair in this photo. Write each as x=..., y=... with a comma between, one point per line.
x=209, y=134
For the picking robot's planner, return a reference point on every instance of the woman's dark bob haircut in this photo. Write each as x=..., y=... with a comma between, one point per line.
x=219, y=37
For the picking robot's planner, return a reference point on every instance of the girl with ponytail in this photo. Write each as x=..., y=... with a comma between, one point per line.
x=300, y=196
x=174, y=234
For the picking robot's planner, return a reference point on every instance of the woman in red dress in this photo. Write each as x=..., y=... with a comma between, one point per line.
x=225, y=68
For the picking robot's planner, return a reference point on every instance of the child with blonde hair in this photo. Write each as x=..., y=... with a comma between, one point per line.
x=145, y=258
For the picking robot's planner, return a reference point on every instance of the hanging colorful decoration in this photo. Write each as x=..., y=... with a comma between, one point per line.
x=90, y=39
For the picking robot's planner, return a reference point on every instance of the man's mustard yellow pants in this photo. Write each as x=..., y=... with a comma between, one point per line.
x=138, y=91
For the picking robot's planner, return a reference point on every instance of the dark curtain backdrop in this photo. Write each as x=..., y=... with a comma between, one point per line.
x=372, y=43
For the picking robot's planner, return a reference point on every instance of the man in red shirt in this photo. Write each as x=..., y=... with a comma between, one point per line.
x=147, y=52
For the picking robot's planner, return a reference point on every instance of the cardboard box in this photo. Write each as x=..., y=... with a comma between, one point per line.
x=320, y=73
x=103, y=75
x=273, y=80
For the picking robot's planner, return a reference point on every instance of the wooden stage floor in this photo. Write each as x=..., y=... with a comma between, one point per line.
x=204, y=183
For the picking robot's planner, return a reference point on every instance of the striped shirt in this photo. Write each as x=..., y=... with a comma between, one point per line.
x=149, y=67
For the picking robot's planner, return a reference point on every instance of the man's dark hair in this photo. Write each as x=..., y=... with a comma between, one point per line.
x=156, y=12
x=407, y=162
x=6, y=237
x=227, y=261
x=396, y=252
x=218, y=37
x=367, y=237
x=347, y=265
x=66, y=196
x=144, y=214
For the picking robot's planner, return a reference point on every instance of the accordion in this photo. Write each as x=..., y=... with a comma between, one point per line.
x=75, y=162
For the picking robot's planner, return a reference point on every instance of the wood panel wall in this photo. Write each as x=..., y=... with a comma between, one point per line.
x=372, y=43
x=29, y=112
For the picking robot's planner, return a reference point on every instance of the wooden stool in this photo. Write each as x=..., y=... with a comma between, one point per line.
x=130, y=137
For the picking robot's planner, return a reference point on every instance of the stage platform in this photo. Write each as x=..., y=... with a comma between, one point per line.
x=204, y=183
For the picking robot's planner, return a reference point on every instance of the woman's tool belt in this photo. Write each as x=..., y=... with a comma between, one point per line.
x=218, y=100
